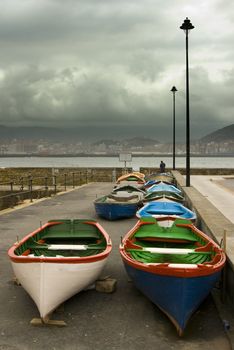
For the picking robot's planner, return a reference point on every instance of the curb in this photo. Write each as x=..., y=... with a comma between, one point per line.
x=226, y=316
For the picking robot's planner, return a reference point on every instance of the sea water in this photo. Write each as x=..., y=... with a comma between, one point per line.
x=97, y=162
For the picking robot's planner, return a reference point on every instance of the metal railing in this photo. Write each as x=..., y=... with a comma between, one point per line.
x=30, y=187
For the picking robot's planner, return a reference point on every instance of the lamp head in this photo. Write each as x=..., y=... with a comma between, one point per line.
x=187, y=25
x=173, y=89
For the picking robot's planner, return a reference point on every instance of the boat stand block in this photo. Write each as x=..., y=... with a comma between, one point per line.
x=16, y=281
x=107, y=285
x=39, y=322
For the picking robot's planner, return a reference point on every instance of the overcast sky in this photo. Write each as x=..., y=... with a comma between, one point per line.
x=110, y=64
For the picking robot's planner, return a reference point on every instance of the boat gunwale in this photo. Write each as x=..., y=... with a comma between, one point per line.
x=148, y=209
x=120, y=188
x=165, y=268
x=164, y=187
x=60, y=260
x=157, y=182
x=117, y=203
x=139, y=178
x=161, y=194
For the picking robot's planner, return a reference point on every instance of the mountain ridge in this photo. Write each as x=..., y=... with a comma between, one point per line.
x=220, y=135
x=54, y=134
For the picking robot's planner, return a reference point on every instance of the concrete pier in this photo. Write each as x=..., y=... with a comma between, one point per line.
x=121, y=320
x=211, y=218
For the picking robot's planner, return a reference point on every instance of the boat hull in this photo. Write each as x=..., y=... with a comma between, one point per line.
x=50, y=284
x=174, y=264
x=115, y=211
x=60, y=259
x=177, y=297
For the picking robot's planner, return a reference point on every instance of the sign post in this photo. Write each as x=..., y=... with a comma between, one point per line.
x=125, y=157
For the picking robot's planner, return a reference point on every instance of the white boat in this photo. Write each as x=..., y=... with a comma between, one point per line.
x=60, y=259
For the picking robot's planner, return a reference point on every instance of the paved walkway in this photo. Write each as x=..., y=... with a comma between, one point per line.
x=218, y=190
x=123, y=320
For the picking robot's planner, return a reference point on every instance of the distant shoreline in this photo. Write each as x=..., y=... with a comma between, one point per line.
x=112, y=155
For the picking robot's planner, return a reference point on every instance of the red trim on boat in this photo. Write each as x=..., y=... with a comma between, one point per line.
x=164, y=268
x=60, y=260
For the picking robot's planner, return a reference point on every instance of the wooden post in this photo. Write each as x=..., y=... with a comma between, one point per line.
x=55, y=183
x=21, y=184
x=225, y=240
x=65, y=182
x=224, y=272
x=46, y=186
x=31, y=190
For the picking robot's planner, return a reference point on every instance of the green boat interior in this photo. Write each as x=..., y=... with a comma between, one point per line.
x=65, y=238
x=180, y=244
x=132, y=178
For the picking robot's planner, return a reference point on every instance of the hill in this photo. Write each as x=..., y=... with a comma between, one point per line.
x=67, y=135
x=222, y=135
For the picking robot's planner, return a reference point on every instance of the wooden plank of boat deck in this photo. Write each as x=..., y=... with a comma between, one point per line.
x=107, y=285
x=39, y=322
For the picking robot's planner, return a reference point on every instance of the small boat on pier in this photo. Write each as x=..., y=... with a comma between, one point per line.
x=60, y=259
x=168, y=177
x=161, y=196
x=175, y=267
x=134, y=177
x=164, y=188
x=167, y=208
x=118, y=206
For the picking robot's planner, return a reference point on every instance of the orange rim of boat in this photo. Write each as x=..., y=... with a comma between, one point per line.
x=60, y=260
x=165, y=268
x=139, y=179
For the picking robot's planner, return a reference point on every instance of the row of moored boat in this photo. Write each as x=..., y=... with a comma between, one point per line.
x=167, y=257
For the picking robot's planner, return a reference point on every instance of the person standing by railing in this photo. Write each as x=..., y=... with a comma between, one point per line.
x=162, y=167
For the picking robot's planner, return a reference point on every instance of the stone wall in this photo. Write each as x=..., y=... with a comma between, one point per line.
x=193, y=171
x=213, y=223
x=81, y=175
x=85, y=175
x=19, y=184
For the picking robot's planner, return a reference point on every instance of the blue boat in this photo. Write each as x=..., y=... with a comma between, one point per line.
x=164, y=188
x=114, y=207
x=172, y=209
x=175, y=267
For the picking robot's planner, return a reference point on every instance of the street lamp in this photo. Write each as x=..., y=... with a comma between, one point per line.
x=173, y=90
x=187, y=26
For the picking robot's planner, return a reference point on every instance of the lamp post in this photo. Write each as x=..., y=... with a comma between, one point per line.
x=187, y=26
x=173, y=90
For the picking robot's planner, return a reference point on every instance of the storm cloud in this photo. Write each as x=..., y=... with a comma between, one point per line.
x=108, y=66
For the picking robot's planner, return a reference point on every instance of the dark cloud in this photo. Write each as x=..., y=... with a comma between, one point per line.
x=108, y=66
